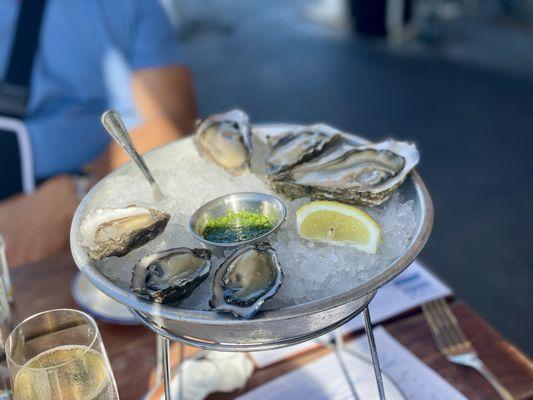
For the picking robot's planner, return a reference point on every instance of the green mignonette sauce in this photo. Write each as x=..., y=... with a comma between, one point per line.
x=236, y=227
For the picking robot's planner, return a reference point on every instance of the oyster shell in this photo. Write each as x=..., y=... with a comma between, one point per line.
x=366, y=174
x=170, y=275
x=225, y=139
x=117, y=231
x=246, y=279
x=297, y=147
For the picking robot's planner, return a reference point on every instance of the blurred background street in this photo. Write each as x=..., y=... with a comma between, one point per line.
x=463, y=91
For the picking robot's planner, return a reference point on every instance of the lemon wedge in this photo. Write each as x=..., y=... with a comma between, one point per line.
x=338, y=224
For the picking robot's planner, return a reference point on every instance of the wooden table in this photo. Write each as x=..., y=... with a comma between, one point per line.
x=46, y=285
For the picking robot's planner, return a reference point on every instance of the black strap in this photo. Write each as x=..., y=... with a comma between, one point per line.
x=11, y=169
x=25, y=43
x=14, y=89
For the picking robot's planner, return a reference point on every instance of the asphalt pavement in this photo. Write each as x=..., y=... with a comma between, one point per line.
x=466, y=99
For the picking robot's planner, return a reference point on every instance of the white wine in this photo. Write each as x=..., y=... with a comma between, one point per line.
x=66, y=373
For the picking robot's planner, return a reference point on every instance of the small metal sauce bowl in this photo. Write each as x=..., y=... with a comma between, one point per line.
x=261, y=203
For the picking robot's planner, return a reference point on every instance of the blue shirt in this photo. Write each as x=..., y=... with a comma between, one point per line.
x=88, y=50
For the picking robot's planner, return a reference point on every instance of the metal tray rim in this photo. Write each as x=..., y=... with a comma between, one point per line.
x=212, y=318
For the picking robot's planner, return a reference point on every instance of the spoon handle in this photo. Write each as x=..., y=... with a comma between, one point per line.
x=115, y=127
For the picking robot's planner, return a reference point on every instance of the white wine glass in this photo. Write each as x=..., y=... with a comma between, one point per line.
x=59, y=354
x=5, y=328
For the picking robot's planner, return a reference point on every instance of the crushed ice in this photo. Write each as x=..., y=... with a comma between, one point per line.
x=312, y=270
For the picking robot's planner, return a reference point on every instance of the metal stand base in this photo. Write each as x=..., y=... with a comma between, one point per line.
x=164, y=356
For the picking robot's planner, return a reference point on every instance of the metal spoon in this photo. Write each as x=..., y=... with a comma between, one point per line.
x=115, y=127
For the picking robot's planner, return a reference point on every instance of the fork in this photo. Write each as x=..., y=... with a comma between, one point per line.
x=454, y=345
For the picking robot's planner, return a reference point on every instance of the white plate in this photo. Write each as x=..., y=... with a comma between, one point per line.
x=98, y=304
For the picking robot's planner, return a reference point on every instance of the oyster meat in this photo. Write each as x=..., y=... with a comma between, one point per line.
x=366, y=174
x=246, y=279
x=170, y=275
x=225, y=139
x=297, y=147
x=117, y=231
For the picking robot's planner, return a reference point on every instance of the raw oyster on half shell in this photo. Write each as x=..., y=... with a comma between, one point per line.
x=365, y=174
x=246, y=279
x=170, y=275
x=296, y=147
x=117, y=231
x=225, y=139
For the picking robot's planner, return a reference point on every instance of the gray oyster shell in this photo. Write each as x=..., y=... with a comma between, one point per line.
x=366, y=174
x=226, y=140
x=246, y=279
x=170, y=275
x=109, y=232
x=297, y=147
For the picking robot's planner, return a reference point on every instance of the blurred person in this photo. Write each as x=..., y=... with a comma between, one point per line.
x=62, y=63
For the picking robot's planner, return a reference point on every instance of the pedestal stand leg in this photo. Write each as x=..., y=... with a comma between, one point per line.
x=159, y=359
x=339, y=348
x=181, y=372
x=165, y=355
x=374, y=353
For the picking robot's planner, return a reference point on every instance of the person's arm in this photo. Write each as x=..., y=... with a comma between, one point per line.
x=164, y=98
x=162, y=87
x=166, y=94
x=37, y=225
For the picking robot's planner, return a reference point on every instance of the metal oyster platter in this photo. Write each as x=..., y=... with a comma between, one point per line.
x=270, y=328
